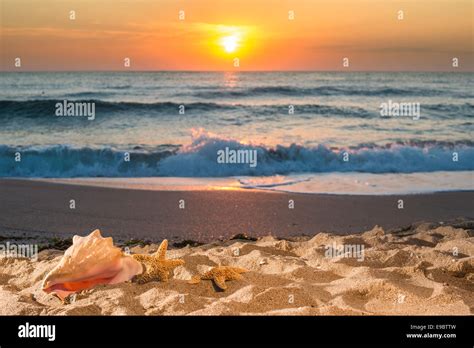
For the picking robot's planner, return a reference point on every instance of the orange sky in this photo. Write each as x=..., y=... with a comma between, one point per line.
x=150, y=33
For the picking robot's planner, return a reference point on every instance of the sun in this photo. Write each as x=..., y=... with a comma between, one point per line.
x=230, y=39
x=230, y=43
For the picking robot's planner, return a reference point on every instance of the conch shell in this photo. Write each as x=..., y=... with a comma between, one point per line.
x=90, y=261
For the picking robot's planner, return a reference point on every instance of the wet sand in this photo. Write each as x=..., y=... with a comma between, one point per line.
x=39, y=210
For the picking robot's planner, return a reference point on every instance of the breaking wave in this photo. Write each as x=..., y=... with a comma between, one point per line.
x=199, y=159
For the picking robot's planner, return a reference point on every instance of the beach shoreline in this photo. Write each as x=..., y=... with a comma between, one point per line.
x=38, y=210
x=329, y=255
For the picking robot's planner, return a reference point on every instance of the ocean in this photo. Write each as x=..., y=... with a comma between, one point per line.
x=319, y=132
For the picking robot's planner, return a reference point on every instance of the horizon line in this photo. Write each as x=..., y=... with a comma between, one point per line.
x=454, y=70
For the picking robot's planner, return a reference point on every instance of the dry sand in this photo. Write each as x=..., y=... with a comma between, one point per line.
x=426, y=270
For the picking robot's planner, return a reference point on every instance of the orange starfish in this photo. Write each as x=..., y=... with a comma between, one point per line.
x=219, y=275
x=156, y=266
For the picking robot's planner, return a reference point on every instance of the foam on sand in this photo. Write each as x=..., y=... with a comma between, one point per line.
x=353, y=183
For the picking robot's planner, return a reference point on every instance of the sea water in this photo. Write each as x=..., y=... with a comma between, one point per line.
x=311, y=131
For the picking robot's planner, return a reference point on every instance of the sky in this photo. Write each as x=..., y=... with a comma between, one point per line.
x=237, y=34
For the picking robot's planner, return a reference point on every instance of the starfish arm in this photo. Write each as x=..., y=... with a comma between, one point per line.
x=220, y=282
x=207, y=276
x=139, y=257
x=142, y=278
x=174, y=263
x=163, y=276
x=234, y=276
x=195, y=280
x=161, y=252
x=240, y=270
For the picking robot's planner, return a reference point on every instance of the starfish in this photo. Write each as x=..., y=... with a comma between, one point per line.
x=219, y=275
x=156, y=266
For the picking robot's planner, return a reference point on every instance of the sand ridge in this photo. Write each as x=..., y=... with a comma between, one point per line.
x=426, y=270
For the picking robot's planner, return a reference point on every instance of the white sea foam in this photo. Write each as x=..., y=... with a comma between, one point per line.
x=198, y=159
x=326, y=183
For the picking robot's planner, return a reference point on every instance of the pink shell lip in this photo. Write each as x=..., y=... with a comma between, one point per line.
x=48, y=284
x=63, y=288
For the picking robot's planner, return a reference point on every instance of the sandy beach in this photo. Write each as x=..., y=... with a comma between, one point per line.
x=38, y=211
x=416, y=260
x=425, y=270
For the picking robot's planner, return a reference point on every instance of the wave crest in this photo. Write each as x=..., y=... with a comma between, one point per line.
x=199, y=159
